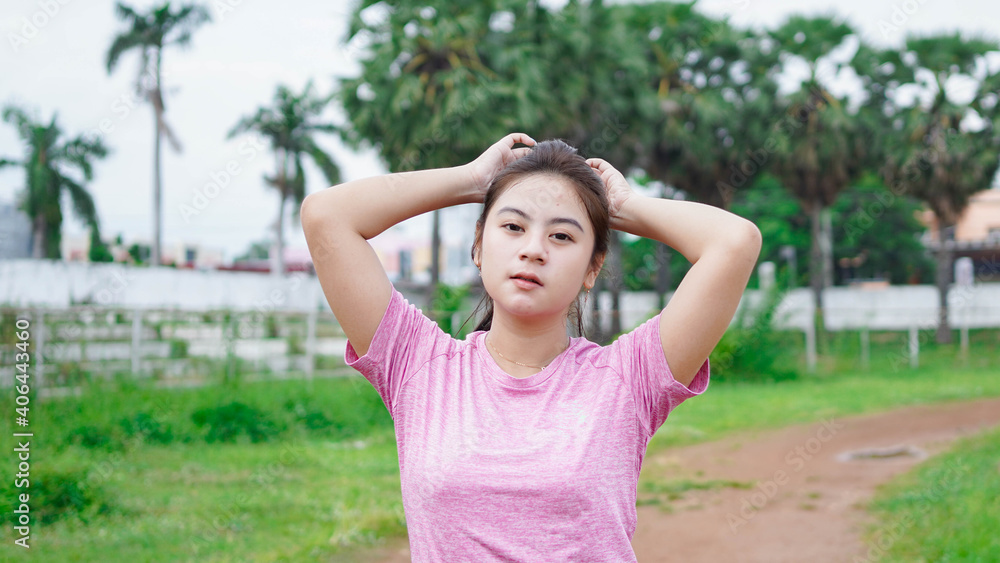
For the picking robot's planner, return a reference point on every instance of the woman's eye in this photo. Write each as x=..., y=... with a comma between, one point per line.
x=510, y=227
x=563, y=236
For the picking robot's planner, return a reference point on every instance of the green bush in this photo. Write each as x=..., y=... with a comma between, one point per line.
x=448, y=300
x=310, y=418
x=92, y=437
x=146, y=428
x=752, y=350
x=55, y=495
x=178, y=348
x=228, y=422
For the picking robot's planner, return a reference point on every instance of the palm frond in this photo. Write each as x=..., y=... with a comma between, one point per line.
x=83, y=202
x=330, y=169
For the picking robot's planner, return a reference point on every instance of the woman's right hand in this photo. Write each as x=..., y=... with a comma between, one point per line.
x=494, y=159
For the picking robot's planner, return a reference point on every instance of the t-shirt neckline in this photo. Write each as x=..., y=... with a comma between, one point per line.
x=509, y=380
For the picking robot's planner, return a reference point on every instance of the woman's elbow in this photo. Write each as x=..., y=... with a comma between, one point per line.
x=753, y=239
x=745, y=242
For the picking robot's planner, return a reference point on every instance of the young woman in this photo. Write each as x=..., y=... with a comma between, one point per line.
x=522, y=443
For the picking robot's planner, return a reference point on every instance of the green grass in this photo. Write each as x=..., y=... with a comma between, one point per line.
x=947, y=509
x=841, y=387
x=309, y=494
x=234, y=502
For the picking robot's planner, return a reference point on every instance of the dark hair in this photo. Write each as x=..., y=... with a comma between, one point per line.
x=557, y=158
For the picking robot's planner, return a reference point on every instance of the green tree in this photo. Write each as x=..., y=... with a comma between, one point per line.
x=880, y=241
x=697, y=95
x=290, y=125
x=259, y=250
x=48, y=163
x=781, y=221
x=883, y=241
x=595, y=76
x=715, y=94
x=99, y=251
x=825, y=144
x=425, y=97
x=947, y=138
x=150, y=33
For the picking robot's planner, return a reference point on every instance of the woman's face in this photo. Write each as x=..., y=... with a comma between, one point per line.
x=536, y=248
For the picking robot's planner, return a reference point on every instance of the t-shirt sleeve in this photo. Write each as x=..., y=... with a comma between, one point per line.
x=404, y=341
x=639, y=354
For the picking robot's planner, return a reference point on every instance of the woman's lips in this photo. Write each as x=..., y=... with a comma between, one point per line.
x=525, y=283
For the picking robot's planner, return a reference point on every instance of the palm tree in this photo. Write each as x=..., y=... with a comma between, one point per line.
x=715, y=94
x=290, y=124
x=825, y=146
x=596, y=100
x=47, y=163
x=149, y=33
x=426, y=98
x=948, y=148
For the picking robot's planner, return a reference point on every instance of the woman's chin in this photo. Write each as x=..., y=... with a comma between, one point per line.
x=521, y=307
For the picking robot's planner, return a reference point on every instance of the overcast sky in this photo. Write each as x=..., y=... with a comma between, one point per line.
x=52, y=60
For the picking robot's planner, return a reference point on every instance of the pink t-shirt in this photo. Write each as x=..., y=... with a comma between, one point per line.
x=497, y=468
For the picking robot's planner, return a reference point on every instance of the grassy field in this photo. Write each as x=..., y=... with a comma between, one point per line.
x=947, y=509
x=279, y=471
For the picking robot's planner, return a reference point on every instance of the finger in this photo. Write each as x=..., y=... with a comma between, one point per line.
x=518, y=153
x=522, y=138
x=597, y=163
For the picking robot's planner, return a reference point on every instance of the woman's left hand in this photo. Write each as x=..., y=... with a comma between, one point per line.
x=618, y=189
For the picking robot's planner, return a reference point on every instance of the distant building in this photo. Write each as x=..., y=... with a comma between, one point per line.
x=192, y=255
x=976, y=235
x=15, y=232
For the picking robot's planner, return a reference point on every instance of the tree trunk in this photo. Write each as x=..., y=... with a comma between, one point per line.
x=155, y=251
x=278, y=256
x=596, y=329
x=826, y=246
x=617, y=282
x=663, y=275
x=435, y=262
x=816, y=269
x=943, y=258
x=39, y=244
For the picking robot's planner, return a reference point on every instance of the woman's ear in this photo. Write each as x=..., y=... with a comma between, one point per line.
x=477, y=246
x=591, y=277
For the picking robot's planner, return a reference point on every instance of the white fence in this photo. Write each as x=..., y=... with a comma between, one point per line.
x=132, y=300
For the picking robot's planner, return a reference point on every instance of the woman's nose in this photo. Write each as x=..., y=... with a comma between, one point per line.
x=534, y=248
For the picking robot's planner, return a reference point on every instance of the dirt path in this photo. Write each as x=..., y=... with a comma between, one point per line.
x=806, y=503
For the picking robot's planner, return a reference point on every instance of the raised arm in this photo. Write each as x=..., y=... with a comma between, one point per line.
x=339, y=221
x=722, y=248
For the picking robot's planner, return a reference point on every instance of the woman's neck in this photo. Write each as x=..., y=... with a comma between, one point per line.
x=525, y=348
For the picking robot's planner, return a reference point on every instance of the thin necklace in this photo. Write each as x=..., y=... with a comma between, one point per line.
x=490, y=344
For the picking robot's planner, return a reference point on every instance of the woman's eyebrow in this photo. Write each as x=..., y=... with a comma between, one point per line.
x=553, y=221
